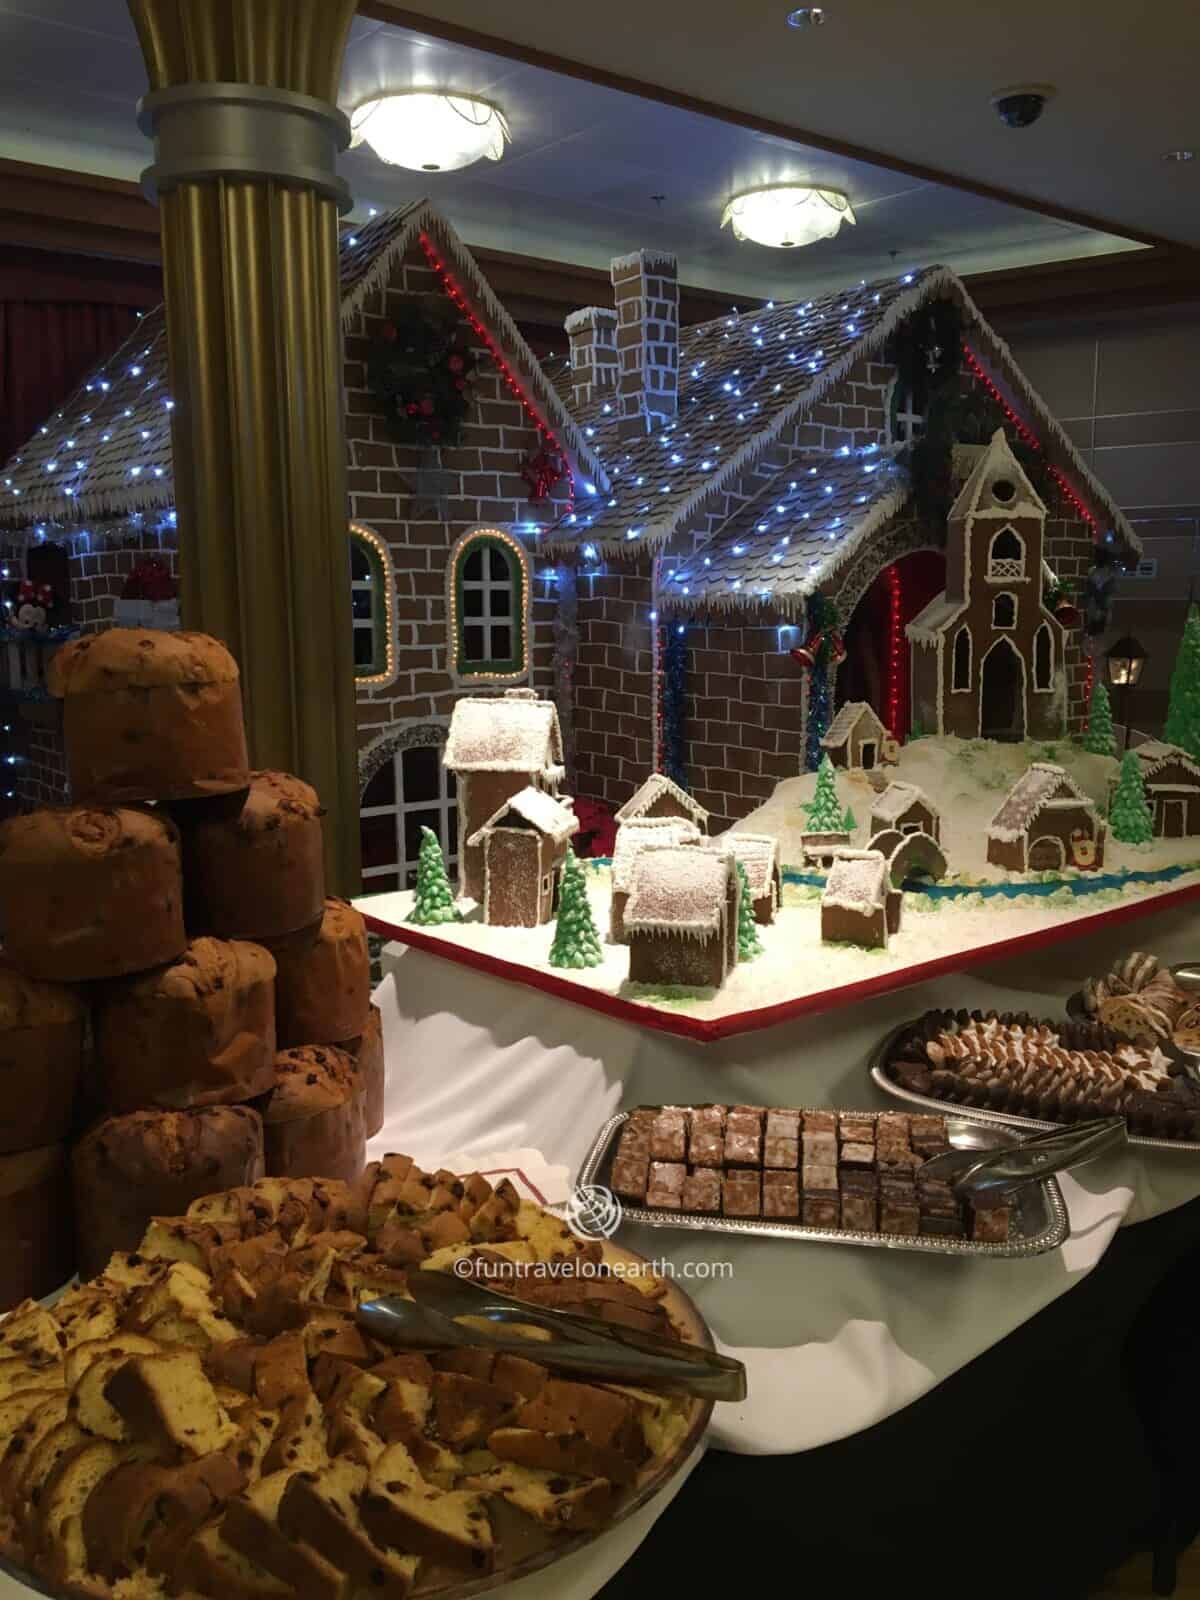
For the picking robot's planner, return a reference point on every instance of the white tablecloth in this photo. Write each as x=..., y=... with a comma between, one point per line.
x=835, y=1338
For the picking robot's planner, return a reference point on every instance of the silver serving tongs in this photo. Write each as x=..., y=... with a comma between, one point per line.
x=995, y=1172
x=578, y=1344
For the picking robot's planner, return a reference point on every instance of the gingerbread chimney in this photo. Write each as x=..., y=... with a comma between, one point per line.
x=593, y=335
x=646, y=295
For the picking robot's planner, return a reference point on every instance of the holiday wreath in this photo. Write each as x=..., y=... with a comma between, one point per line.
x=421, y=369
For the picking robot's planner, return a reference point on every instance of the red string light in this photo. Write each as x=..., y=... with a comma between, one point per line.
x=659, y=686
x=1089, y=682
x=454, y=292
x=895, y=668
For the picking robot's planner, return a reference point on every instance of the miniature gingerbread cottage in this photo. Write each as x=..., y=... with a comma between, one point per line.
x=759, y=856
x=859, y=905
x=524, y=843
x=681, y=918
x=659, y=797
x=989, y=657
x=906, y=809
x=1172, y=782
x=496, y=747
x=632, y=836
x=1046, y=823
x=857, y=738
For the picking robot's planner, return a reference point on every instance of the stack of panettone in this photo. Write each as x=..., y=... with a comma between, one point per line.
x=181, y=902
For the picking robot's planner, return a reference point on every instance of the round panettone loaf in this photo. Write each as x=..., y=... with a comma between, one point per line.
x=260, y=874
x=90, y=893
x=150, y=715
x=313, y=1118
x=367, y=1051
x=323, y=992
x=41, y=1052
x=147, y=1164
x=37, y=1242
x=199, y=1032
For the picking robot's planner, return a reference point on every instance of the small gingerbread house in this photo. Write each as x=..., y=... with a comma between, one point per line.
x=497, y=746
x=1172, y=781
x=905, y=808
x=681, y=918
x=759, y=856
x=523, y=844
x=659, y=797
x=1046, y=823
x=633, y=836
x=859, y=905
x=856, y=737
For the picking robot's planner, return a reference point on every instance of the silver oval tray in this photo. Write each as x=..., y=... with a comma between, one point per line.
x=992, y=1119
x=1038, y=1213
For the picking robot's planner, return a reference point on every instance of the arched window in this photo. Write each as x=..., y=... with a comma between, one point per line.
x=371, y=609
x=488, y=607
x=1004, y=611
x=1043, y=658
x=408, y=790
x=960, y=677
x=1006, y=555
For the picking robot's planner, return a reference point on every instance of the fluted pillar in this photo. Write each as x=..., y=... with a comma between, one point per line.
x=242, y=110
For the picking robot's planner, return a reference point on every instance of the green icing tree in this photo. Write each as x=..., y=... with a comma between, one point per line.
x=434, y=900
x=1098, y=740
x=576, y=942
x=1183, y=708
x=849, y=821
x=823, y=812
x=749, y=944
x=1129, y=817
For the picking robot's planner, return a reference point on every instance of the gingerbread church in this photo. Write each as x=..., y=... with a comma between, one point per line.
x=654, y=539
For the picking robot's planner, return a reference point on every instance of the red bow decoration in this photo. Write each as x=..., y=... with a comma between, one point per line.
x=806, y=654
x=541, y=470
x=1067, y=614
x=35, y=594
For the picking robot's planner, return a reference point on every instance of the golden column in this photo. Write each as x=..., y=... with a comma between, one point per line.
x=242, y=111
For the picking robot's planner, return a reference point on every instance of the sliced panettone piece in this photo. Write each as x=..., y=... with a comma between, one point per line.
x=167, y=1400
x=15, y=1411
x=90, y=1405
x=120, y=1516
x=256, y=1429
x=364, y=1278
x=402, y=1511
x=251, y=1527
x=185, y=1239
x=232, y=1365
x=40, y=1463
x=467, y=1409
x=299, y=1442
x=550, y=1498
x=407, y=1398
x=399, y=1244
x=78, y=1359
x=30, y=1333
x=87, y=1313
x=334, y=1333
x=597, y=1415
x=17, y=1374
x=664, y=1424
x=281, y=1370
x=323, y=1508
x=354, y=1390
x=208, y=1566
x=349, y=1435
x=127, y=1270
x=193, y=1494
x=20, y=1446
x=179, y=1309
x=523, y=1379
x=56, y=1528
x=561, y=1452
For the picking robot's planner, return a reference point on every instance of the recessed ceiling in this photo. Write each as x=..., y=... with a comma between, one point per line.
x=593, y=171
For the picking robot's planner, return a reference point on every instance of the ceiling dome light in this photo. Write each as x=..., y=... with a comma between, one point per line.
x=429, y=131
x=785, y=215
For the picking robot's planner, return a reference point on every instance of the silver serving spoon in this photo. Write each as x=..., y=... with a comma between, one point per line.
x=995, y=1172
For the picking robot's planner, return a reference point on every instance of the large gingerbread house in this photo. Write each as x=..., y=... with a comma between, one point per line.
x=639, y=538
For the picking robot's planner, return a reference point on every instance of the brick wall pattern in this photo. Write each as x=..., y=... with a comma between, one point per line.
x=646, y=297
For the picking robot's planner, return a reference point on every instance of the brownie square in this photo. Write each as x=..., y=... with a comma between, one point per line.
x=820, y=1147
x=702, y=1191
x=928, y=1135
x=943, y=1227
x=897, y=1216
x=857, y=1155
x=818, y=1211
x=743, y=1140
x=665, y=1189
x=818, y=1179
x=757, y=1112
x=858, y=1211
x=780, y=1194
x=990, y=1226
x=891, y=1160
x=935, y=1195
x=635, y=1140
x=855, y=1128
x=854, y=1180
x=743, y=1194
x=902, y=1190
x=668, y=1136
x=783, y=1125
x=893, y=1122
x=820, y=1122
x=706, y=1143
x=630, y=1175
x=781, y=1152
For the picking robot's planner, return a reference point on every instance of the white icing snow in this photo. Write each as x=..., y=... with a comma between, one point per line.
x=759, y=855
x=896, y=799
x=677, y=889
x=655, y=786
x=503, y=733
x=549, y=816
x=1034, y=791
x=858, y=882
x=847, y=720
x=639, y=832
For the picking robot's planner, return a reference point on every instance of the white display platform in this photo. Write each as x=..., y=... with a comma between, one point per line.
x=835, y=1338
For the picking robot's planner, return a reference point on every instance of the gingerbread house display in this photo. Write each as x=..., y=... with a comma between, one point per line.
x=497, y=746
x=523, y=843
x=660, y=797
x=1172, y=783
x=681, y=918
x=858, y=904
x=821, y=849
x=632, y=836
x=905, y=808
x=759, y=855
x=989, y=656
x=1046, y=823
x=857, y=739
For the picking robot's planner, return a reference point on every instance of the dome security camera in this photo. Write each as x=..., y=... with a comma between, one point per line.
x=1022, y=105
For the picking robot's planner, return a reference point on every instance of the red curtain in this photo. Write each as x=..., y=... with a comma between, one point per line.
x=46, y=348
